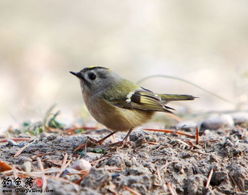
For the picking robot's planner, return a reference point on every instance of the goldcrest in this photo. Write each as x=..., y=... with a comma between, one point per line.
x=118, y=103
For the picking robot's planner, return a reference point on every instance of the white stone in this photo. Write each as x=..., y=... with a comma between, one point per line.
x=186, y=125
x=218, y=121
x=81, y=164
x=240, y=118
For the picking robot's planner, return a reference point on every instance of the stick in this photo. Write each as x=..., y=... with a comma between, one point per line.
x=73, y=129
x=171, y=189
x=209, y=178
x=64, y=165
x=23, y=148
x=172, y=132
x=43, y=174
x=131, y=190
x=19, y=139
x=197, y=135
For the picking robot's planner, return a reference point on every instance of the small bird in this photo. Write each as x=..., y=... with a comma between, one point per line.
x=118, y=103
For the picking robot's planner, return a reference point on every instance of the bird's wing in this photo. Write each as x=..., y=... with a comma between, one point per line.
x=135, y=98
x=144, y=99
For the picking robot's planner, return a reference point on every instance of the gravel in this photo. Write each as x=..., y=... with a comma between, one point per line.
x=151, y=163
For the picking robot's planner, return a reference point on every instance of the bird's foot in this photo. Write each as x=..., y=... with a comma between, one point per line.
x=120, y=144
x=89, y=142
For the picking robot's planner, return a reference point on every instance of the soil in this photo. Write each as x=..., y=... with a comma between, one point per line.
x=150, y=163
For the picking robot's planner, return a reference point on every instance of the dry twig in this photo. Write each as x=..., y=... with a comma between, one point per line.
x=72, y=130
x=23, y=148
x=197, y=135
x=131, y=190
x=162, y=183
x=18, y=139
x=209, y=178
x=171, y=189
x=172, y=132
x=44, y=180
x=64, y=164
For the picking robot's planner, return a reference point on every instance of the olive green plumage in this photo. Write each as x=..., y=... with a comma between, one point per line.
x=119, y=104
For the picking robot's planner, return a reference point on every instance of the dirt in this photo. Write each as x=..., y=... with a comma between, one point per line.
x=150, y=163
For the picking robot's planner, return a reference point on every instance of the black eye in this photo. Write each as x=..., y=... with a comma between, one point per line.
x=92, y=76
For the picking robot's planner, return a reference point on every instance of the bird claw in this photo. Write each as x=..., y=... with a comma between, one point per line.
x=89, y=142
x=120, y=144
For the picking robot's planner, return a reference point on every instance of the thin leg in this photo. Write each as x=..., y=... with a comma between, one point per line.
x=96, y=142
x=129, y=132
x=123, y=142
x=103, y=139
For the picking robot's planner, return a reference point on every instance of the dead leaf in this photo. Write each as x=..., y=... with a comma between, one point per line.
x=4, y=166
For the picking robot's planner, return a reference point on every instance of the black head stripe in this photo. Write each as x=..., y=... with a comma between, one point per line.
x=93, y=68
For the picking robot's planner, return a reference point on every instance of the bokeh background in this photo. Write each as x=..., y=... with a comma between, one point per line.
x=205, y=42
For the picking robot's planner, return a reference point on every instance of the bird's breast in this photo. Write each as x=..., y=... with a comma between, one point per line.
x=115, y=118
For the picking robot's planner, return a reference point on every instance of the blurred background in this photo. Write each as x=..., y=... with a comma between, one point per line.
x=204, y=42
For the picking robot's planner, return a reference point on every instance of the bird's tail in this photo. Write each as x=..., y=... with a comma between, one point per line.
x=175, y=97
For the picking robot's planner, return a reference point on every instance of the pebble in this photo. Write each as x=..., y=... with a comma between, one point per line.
x=81, y=164
x=69, y=172
x=43, y=135
x=219, y=177
x=240, y=118
x=186, y=125
x=215, y=122
x=27, y=166
x=193, y=184
x=92, y=156
x=51, y=137
x=115, y=160
x=96, y=179
x=13, y=143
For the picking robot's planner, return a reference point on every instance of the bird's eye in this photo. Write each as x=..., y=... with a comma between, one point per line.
x=92, y=76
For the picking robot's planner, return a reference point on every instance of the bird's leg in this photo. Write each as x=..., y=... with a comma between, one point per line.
x=91, y=141
x=124, y=141
x=103, y=139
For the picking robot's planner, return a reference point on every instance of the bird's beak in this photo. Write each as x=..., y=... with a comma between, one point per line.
x=80, y=75
x=77, y=74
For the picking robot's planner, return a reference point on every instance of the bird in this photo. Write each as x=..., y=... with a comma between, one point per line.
x=119, y=104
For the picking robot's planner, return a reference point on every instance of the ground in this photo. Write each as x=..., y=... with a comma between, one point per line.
x=150, y=163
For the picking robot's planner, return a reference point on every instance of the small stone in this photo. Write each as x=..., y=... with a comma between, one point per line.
x=215, y=122
x=13, y=143
x=193, y=185
x=81, y=164
x=43, y=135
x=128, y=162
x=51, y=137
x=240, y=118
x=91, y=156
x=96, y=179
x=115, y=160
x=213, y=158
x=186, y=125
x=218, y=178
x=137, y=171
x=238, y=175
x=136, y=135
x=27, y=166
x=73, y=178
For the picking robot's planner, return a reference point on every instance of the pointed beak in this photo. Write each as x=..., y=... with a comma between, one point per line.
x=77, y=74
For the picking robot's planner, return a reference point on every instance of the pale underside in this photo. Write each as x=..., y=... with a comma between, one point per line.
x=116, y=118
